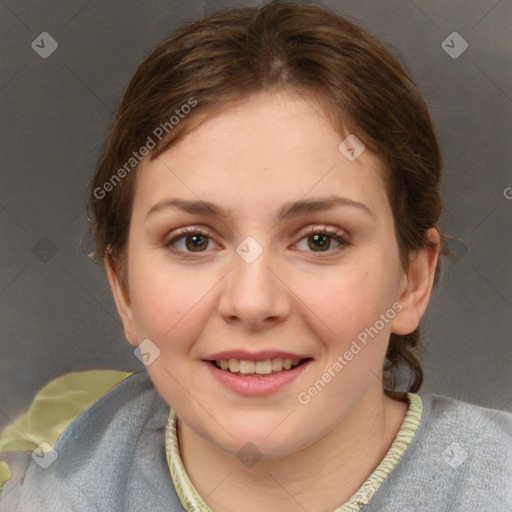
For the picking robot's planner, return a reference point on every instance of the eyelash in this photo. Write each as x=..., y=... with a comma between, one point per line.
x=332, y=233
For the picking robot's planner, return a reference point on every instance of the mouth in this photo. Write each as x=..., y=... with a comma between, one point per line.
x=262, y=368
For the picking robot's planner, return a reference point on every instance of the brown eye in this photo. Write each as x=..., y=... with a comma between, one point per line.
x=196, y=243
x=320, y=239
x=189, y=240
x=319, y=242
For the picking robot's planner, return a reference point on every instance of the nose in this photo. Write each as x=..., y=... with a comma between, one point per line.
x=254, y=293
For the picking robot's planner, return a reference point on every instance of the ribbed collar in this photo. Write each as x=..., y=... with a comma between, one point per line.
x=192, y=501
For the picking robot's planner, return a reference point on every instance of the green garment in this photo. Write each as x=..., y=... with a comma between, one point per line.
x=54, y=407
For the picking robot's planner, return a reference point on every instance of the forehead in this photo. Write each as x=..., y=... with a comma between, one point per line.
x=261, y=151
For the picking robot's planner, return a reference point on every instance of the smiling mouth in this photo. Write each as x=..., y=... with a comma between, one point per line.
x=246, y=368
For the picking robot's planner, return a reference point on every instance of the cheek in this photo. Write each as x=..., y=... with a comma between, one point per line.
x=168, y=302
x=346, y=300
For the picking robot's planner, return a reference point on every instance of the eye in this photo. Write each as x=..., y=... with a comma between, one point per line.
x=194, y=240
x=320, y=238
x=317, y=239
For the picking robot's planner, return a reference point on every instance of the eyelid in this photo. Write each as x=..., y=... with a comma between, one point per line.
x=323, y=228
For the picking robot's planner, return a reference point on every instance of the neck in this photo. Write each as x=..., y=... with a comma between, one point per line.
x=318, y=478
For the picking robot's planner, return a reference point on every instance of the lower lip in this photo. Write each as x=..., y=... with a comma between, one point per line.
x=257, y=386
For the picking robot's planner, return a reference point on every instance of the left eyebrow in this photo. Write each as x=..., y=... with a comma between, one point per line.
x=288, y=210
x=304, y=206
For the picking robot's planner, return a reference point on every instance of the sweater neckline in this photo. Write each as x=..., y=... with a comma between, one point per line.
x=192, y=501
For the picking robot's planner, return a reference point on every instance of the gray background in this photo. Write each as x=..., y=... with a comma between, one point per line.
x=56, y=310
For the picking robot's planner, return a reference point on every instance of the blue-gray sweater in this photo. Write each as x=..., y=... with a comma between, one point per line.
x=111, y=458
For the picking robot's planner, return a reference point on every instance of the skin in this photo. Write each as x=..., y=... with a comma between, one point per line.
x=252, y=158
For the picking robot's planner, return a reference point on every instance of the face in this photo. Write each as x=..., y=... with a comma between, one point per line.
x=268, y=280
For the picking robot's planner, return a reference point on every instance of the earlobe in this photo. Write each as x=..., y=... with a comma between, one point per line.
x=122, y=301
x=417, y=285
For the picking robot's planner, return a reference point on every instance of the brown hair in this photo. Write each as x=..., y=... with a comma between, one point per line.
x=280, y=45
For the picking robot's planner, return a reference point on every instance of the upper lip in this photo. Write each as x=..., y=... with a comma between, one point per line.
x=254, y=356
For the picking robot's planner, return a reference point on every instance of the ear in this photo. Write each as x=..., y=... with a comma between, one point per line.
x=122, y=301
x=416, y=286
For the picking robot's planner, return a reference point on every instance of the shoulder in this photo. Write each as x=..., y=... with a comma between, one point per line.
x=129, y=402
x=460, y=458
x=122, y=413
x=112, y=455
x=449, y=412
x=479, y=430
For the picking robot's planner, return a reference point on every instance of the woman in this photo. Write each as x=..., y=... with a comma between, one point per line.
x=267, y=210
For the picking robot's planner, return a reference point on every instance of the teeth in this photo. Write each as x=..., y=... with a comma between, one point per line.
x=246, y=367
x=264, y=367
x=277, y=364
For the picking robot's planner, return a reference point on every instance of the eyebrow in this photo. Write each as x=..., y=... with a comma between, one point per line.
x=288, y=210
